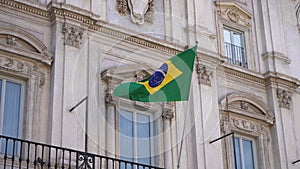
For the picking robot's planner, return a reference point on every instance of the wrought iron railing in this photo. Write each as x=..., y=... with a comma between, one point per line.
x=236, y=55
x=19, y=153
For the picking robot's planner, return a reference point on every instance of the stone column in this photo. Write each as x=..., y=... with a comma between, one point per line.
x=110, y=122
x=167, y=116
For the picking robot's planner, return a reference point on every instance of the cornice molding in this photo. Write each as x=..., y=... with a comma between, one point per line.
x=282, y=80
x=277, y=55
x=266, y=79
x=250, y=76
x=92, y=22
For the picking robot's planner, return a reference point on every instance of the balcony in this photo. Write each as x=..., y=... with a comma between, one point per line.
x=18, y=153
x=235, y=55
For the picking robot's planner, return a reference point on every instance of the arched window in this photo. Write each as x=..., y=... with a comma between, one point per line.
x=250, y=120
x=24, y=63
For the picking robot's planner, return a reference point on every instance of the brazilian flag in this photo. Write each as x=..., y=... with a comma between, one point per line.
x=171, y=82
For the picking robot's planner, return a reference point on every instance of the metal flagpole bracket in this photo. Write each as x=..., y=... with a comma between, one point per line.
x=296, y=161
x=233, y=142
x=87, y=160
x=74, y=107
x=220, y=138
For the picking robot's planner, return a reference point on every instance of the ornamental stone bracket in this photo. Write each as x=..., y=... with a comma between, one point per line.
x=203, y=75
x=141, y=11
x=167, y=115
x=168, y=111
x=73, y=35
x=285, y=98
x=109, y=97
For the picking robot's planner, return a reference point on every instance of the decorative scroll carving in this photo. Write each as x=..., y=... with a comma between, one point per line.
x=233, y=13
x=122, y=7
x=168, y=111
x=109, y=98
x=244, y=125
x=17, y=66
x=73, y=35
x=203, y=75
x=140, y=10
x=12, y=41
x=12, y=65
x=168, y=115
x=285, y=98
x=108, y=95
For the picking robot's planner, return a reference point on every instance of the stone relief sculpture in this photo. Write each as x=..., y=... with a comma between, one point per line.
x=141, y=11
x=285, y=98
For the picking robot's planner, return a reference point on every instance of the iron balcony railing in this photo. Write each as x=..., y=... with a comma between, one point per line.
x=19, y=153
x=236, y=55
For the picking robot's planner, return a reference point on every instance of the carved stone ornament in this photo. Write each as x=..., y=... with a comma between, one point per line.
x=141, y=75
x=140, y=10
x=12, y=41
x=73, y=35
x=203, y=75
x=244, y=125
x=285, y=98
x=12, y=65
x=234, y=13
x=108, y=95
x=109, y=98
x=244, y=105
x=168, y=115
x=20, y=67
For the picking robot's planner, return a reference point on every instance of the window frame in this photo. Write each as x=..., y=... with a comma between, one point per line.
x=254, y=150
x=153, y=113
x=4, y=79
x=226, y=17
x=22, y=102
x=232, y=30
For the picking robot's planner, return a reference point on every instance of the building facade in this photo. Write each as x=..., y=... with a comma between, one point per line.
x=61, y=59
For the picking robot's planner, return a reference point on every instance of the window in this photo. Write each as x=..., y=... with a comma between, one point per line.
x=10, y=108
x=245, y=153
x=135, y=133
x=234, y=47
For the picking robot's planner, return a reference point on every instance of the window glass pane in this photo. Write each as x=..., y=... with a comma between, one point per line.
x=126, y=135
x=237, y=153
x=237, y=39
x=11, y=115
x=227, y=36
x=234, y=47
x=143, y=138
x=248, y=154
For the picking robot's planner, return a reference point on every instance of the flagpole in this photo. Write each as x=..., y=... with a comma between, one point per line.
x=184, y=127
x=86, y=120
x=181, y=143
